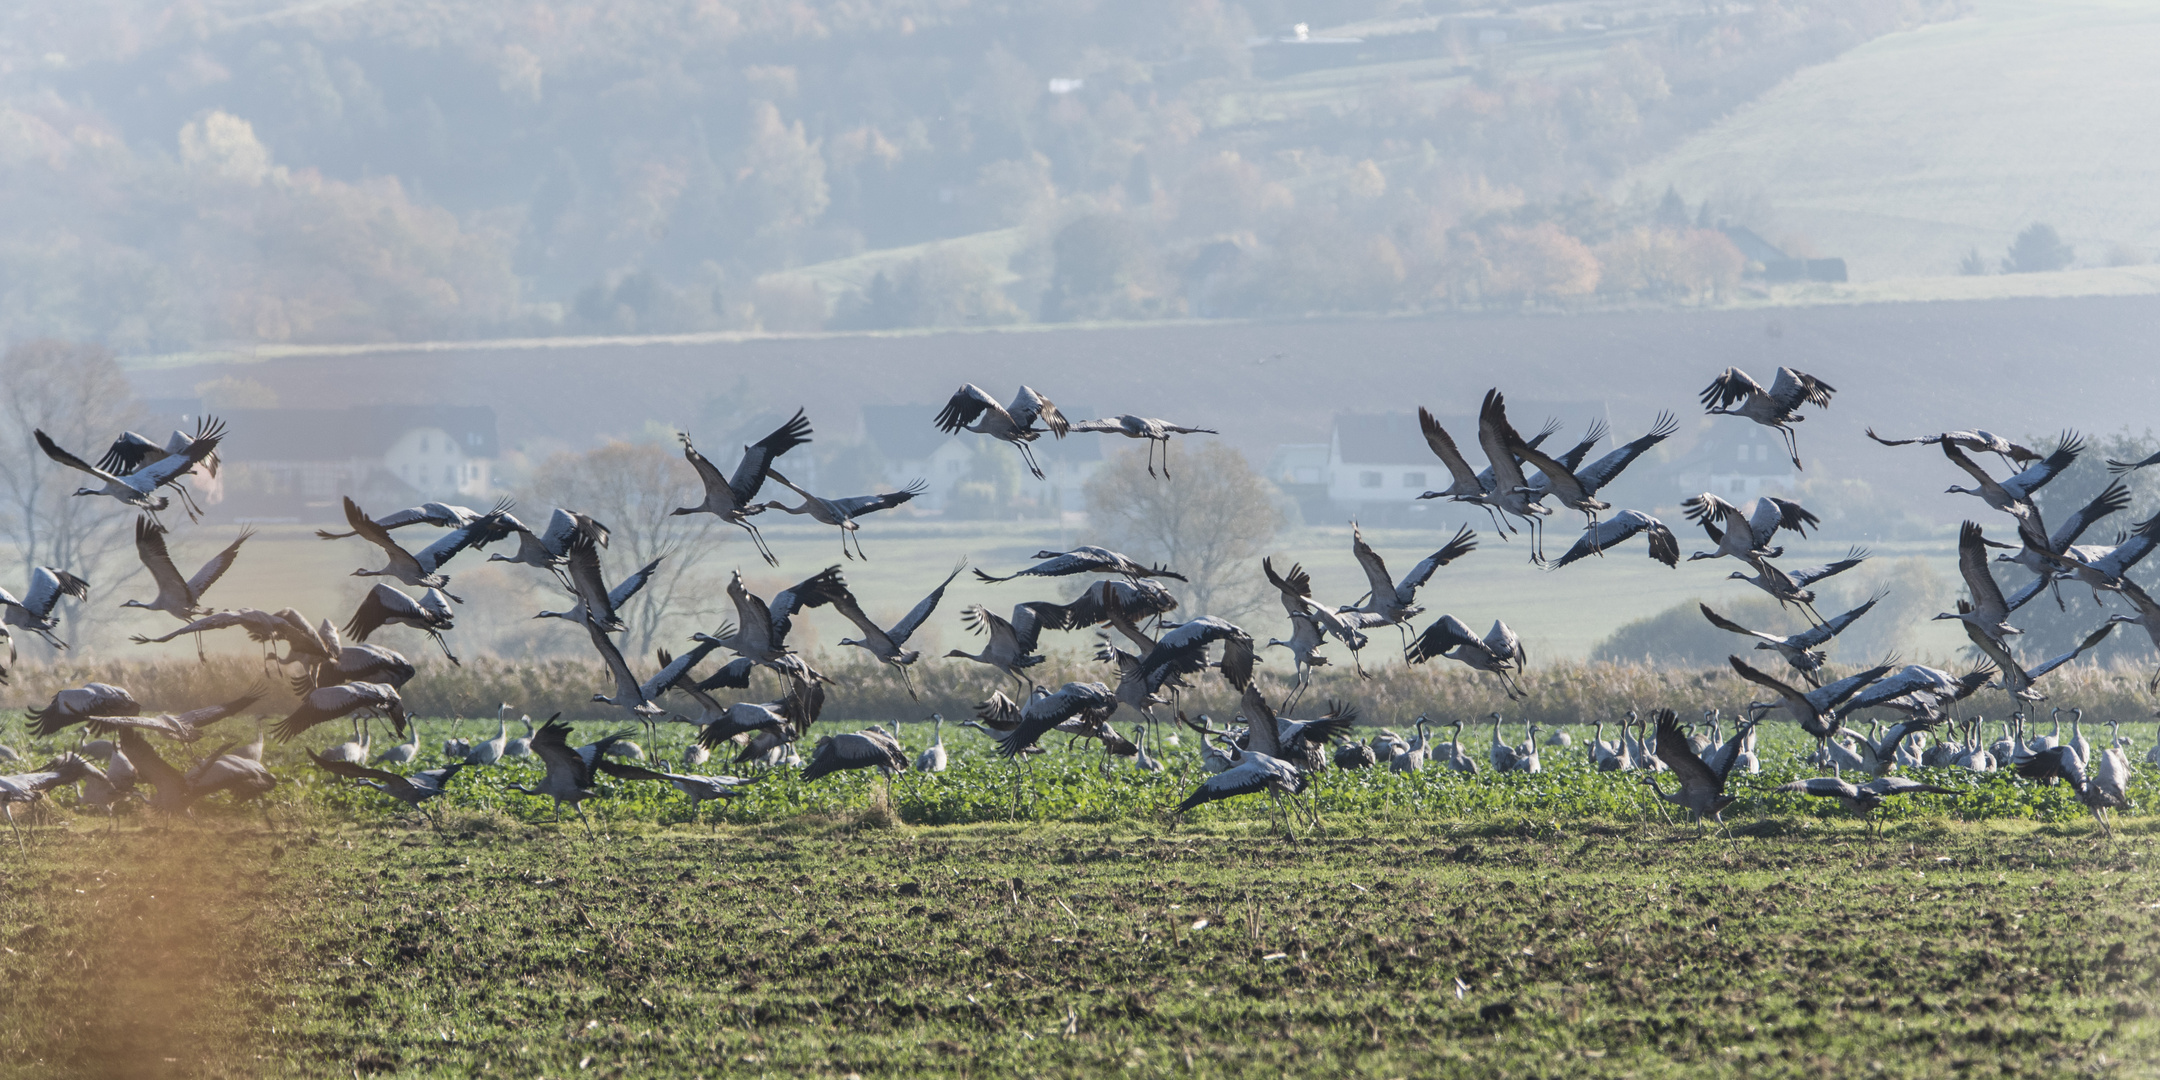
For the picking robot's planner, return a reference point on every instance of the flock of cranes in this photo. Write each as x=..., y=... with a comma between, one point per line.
x=1152, y=658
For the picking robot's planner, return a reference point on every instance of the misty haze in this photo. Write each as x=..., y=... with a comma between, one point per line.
x=1220, y=537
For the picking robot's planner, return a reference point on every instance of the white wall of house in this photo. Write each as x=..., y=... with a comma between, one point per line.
x=430, y=460
x=1370, y=482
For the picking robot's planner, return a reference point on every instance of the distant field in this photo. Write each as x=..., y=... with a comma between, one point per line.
x=1906, y=152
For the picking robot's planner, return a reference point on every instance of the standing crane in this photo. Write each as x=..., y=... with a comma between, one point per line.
x=1777, y=407
x=934, y=758
x=733, y=499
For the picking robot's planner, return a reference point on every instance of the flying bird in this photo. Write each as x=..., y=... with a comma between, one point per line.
x=973, y=410
x=1777, y=407
x=843, y=512
x=34, y=612
x=1801, y=650
x=1988, y=611
x=440, y=515
x=1391, y=603
x=1084, y=560
x=386, y=606
x=890, y=645
x=1863, y=799
x=1499, y=652
x=1142, y=427
x=1745, y=532
x=1816, y=709
x=333, y=702
x=1618, y=529
x=1979, y=441
x=421, y=571
x=177, y=596
x=734, y=499
x=139, y=487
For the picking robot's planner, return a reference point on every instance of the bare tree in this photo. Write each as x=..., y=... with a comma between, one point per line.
x=1211, y=521
x=632, y=488
x=79, y=396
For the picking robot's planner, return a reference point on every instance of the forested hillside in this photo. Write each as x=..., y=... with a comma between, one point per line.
x=409, y=169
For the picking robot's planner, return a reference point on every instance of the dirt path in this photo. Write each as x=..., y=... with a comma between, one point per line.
x=137, y=953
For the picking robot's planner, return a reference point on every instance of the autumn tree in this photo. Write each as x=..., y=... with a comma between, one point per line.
x=1211, y=520
x=1537, y=263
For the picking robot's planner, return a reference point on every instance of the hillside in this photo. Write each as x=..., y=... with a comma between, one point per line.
x=405, y=170
x=1914, y=149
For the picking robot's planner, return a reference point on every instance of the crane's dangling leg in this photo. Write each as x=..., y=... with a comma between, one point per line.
x=1027, y=454
x=1792, y=445
x=17, y=829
